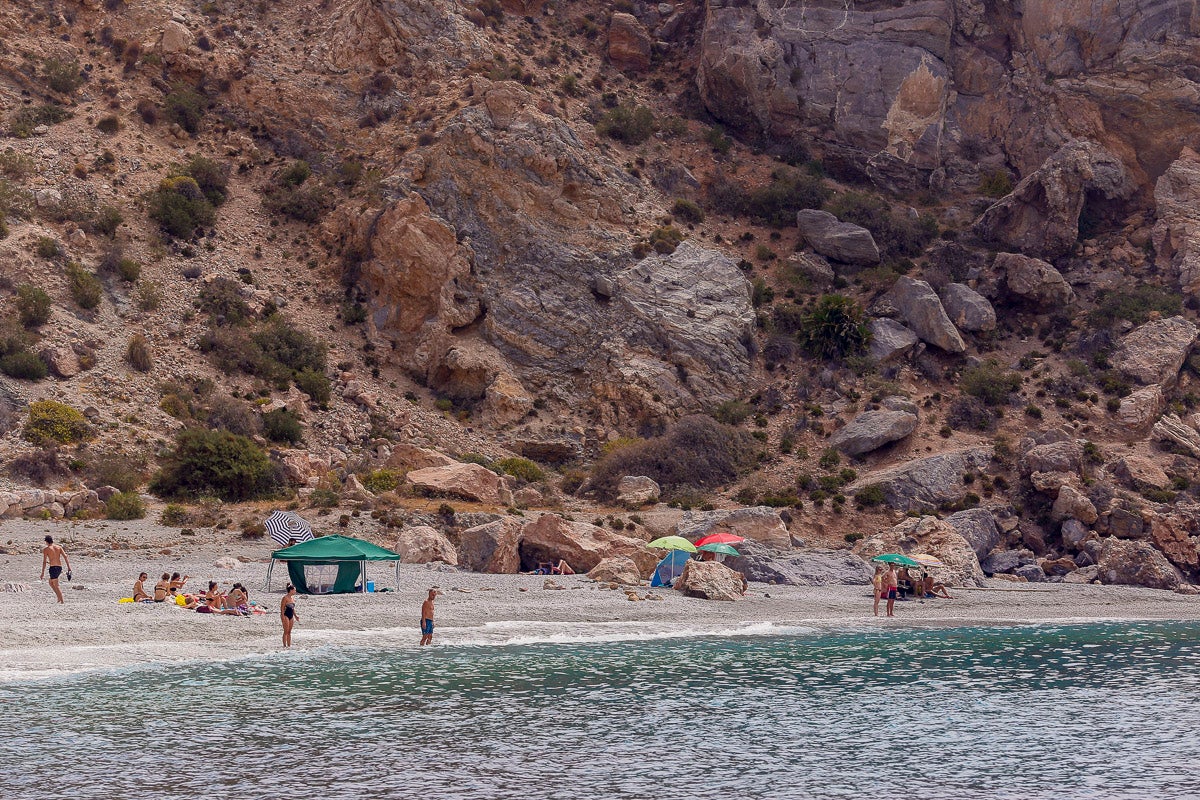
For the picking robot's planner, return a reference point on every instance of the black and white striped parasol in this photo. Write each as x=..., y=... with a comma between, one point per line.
x=284, y=526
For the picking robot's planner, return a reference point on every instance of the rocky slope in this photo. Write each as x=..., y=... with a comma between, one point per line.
x=549, y=228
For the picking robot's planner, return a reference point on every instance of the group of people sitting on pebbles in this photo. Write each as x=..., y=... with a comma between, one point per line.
x=169, y=589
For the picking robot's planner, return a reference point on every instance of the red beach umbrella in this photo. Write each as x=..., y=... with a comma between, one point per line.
x=720, y=538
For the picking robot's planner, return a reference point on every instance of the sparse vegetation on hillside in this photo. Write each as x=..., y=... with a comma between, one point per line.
x=217, y=463
x=52, y=422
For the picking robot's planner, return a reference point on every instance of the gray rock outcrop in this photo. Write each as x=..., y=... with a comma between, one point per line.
x=832, y=238
x=1170, y=428
x=968, y=309
x=804, y=567
x=926, y=483
x=922, y=310
x=635, y=491
x=756, y=523
x=1136, y=563
x=1176, y=234
x=873, y=429
x=978, y=527
x=1040, y=217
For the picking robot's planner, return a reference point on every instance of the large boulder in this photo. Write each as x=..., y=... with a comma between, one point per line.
x=628, y=42
x=925, y=484
x=422, y=544
x=709, y=580
x=978, y=527
x=967, y=308
x=583, y=545
x=1176, y=234
x=890, y=340
x=468, y=481
x=756, y=523
x=1034, y=280
x=491, y=547
x=1136, y=563
x=921, y=308
x=1040, y=217
x=873, y=429
x=1155, y=352
x=1140, y=473
x=1064, y=456
x=832, y=238
x=804, y=567
x=635, y=491
x=1170, y=535
x=409, y=456
x=1005, y=561
x=616, y=569
x=935, y=537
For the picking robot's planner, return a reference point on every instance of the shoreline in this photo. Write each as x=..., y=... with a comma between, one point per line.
x=41, y=639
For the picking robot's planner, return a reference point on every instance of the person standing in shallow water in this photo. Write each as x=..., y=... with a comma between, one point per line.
x=287, y=614
x=54, y=555
x=427, y=618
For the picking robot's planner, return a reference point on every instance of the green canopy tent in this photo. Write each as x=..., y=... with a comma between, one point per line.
x=331, y=564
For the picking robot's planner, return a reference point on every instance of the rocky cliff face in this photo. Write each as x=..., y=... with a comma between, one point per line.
x=939, y=87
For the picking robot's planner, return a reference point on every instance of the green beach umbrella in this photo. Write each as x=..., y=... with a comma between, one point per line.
x=719, y=547
x=673, y=543
x=897, y=559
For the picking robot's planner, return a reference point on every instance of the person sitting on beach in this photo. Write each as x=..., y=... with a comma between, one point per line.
x=905, y=583
x=190, y=601
x=214, y=602
x=932, y=589
x=163, y=588
x=236, y=599
x=563, y=568
x=178, y=582
x=139, y=591
x=543, y=568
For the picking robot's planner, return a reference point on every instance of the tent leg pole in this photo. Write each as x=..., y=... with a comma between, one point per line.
x=397, y=576
x=363, y=569
x=270, y=567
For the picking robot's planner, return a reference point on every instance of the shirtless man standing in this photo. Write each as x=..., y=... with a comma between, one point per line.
x=427, y=618
x=54, y=556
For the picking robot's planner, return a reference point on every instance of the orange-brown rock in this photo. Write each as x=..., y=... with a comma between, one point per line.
x=582, y=545
x=628, y=42
x=491, y=547
x=468, y=481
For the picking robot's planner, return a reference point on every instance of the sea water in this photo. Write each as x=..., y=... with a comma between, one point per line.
x=1106, y=710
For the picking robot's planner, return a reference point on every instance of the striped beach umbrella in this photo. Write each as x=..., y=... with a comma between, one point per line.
x=284, y=526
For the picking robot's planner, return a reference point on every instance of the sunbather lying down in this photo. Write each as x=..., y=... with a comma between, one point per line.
x=550, y=568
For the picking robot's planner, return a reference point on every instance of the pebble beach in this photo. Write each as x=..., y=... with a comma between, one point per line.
x=92, y=630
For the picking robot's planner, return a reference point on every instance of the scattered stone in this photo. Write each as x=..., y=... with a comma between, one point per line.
x=812, y=268
x=1030, y=572
x=1034, y=280
x=1135, y=563
x=1139, y=409
x=1172, y=429
x=550, y=583
x=635, y=491
x=227, y=562
x=841, y=241
x=628, y=42
x=873, y=429
x=1074, y=533
x=709, y=580
x=617, y=569
x=491, y=547
x=968, y=309
x=1072, y=503
x=422, y=544
x=469, y=481
x=890, y=340
x=1155, y=352
x=921, y=308
x=1140, y=473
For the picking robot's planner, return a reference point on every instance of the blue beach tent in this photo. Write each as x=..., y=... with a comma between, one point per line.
x=670, y=568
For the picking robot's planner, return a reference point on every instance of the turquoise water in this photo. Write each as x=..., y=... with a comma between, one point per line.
x=1064, y=711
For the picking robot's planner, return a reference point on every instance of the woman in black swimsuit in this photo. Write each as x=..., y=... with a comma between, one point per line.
x=287, y=614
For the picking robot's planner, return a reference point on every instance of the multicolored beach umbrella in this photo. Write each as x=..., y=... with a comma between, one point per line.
x=287, y=526
x=719, y=538
x=926, y=560
x=673, y=543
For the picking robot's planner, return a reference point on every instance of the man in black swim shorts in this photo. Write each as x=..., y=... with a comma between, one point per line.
x=54, y=555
